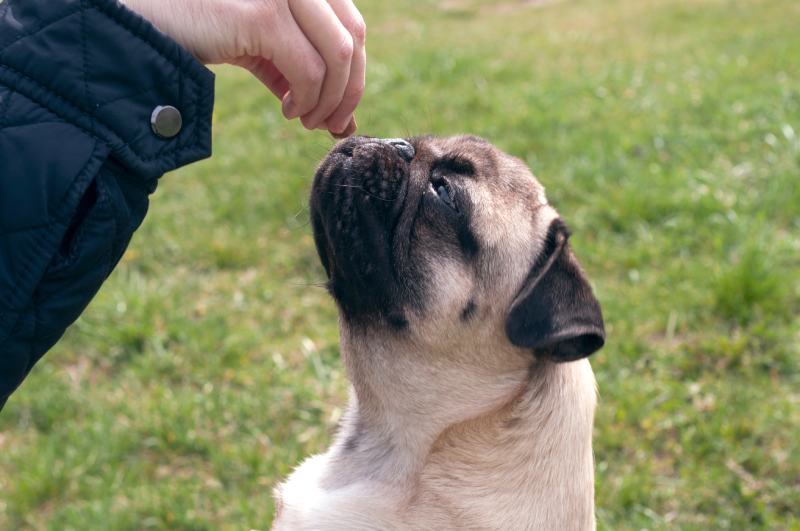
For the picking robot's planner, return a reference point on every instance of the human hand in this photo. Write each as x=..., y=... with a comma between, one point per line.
x=309, y=53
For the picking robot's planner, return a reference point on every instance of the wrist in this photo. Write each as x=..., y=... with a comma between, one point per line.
x=161, y=14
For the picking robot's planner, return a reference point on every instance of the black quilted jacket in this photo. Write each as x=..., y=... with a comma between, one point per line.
x=90, y=96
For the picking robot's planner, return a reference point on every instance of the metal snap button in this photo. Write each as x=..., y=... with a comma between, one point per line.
x=166, y=121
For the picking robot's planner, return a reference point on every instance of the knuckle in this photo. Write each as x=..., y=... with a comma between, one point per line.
x=359, y=30
x=354, y=91
x=315, y=72
x=345, y=51
x=326, y=107
x=254, y=19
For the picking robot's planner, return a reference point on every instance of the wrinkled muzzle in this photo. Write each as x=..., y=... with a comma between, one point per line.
x=358, y=196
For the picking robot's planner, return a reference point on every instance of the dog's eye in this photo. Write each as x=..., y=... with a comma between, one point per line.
x=454, y=164
x=444, y=191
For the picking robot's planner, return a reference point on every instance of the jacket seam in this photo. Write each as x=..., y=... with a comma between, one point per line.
x=23, y=229
x=118, y=16
x=109, y=251
x=181, y=88
x=103, y=207
x=85, y=52
x=4, y=109
x=139, y=157
x=27, y=259
x=115, y=16
x=30, y=124
x=150, y=88
x=32, y=351
x=41, y=26
x=101, y=204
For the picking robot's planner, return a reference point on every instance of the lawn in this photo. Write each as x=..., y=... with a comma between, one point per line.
x=667, y=133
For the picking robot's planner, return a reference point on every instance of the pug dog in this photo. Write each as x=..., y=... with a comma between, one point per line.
x=465, y=323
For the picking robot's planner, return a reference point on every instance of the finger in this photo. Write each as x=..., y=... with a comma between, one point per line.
x=335, y=44
x=341, y=117
x=348, y=131
x=304, y=69
x=266, y=72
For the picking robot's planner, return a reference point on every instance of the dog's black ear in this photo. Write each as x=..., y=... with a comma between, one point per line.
x=555, y=312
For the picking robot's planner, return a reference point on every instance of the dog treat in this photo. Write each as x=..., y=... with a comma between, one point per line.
x=348, y=131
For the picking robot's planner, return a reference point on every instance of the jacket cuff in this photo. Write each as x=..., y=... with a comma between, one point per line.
x=105, y=69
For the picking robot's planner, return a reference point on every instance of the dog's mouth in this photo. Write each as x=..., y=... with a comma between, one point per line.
x=360, y=193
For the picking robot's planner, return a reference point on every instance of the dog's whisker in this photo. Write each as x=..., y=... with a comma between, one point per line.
x=318, y=284
x=361, y=189
x=301, y=211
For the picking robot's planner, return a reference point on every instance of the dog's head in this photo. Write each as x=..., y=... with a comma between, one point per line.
x=430, y=238
x=449, y=268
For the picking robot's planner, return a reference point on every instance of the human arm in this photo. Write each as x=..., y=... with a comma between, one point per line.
x=79, y=83
x=309, y=53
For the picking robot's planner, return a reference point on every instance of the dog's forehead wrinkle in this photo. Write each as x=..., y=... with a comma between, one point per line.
x=426, y=151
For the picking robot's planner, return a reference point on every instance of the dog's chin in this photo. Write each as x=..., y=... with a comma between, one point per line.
x=358, y=196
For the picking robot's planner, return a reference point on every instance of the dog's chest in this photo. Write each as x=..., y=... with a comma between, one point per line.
x=302, y=504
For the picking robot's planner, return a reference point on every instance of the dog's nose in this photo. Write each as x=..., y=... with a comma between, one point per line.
x=405, y=149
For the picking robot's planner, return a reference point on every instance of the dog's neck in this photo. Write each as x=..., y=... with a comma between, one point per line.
x=380, y=446
x=532, y=455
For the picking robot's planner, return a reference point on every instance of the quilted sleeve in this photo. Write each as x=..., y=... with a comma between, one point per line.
x=83, y=141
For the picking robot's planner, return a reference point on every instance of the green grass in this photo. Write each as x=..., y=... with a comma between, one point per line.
x=668, y=135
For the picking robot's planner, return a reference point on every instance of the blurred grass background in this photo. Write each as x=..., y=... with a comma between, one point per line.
x=668, y=135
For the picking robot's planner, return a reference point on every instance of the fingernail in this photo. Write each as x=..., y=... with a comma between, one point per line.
x=289, y=108
x=338, y=129
x=348, y=130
